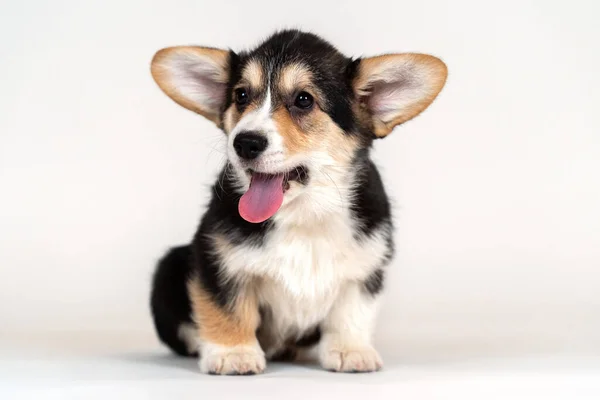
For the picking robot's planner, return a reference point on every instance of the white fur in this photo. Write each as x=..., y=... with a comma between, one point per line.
x=189, y=334
x=259, y=120
x=403, y=81
x=312, y=274
x=274, y=159
x=347, y=332
x=311, y=265
x=243, y=359
x=406, y=83
x=198, y=78
x=350, y=359
x=310, y=257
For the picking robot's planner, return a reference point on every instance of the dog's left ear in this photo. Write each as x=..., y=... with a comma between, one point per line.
x=194, y=77
x=397, y=87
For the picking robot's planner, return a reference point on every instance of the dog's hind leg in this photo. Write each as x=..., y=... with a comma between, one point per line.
x=170, y=303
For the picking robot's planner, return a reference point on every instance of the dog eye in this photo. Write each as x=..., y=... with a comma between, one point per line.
x=241, y=96
x=304, y=100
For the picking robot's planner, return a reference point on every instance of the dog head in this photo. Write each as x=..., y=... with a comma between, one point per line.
x=297, y=112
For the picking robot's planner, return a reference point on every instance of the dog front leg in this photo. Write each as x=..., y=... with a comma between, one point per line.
x=227, y=335
x=346, y=344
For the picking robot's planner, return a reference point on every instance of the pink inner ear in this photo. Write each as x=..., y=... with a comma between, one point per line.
x=207, y=86
x=212, y=92
x=198, y=79
x=388, y=97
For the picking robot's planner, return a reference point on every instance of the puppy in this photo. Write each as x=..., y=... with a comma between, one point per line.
x=292, y=252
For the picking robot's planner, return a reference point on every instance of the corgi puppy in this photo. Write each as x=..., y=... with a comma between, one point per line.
x=291, y=254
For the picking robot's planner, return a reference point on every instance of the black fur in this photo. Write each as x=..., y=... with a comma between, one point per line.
x=310, y=339
x=333, y=73
x=374, y=283
x=223, y=216
x=371, y=206
x=169, y=301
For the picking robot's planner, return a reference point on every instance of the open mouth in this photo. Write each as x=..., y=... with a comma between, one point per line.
x=298, y=174
x=265, y=194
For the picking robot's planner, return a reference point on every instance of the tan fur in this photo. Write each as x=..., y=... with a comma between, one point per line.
x=230, y=119
x=160, y=73
x=312, y=132
x=253, y=75
x=433, y=71
x=294, y=77
x=220, y=244
x=220, y=326
x=312, y=268
x=295, y=141
x=306, y=132
x=232, y=116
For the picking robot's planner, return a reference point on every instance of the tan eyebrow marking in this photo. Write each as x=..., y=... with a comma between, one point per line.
x=253, y=74
x=295, y=76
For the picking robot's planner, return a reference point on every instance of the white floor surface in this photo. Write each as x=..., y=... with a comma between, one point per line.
x=125, y=367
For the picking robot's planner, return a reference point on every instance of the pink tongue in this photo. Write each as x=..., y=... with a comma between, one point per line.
x=263, y=198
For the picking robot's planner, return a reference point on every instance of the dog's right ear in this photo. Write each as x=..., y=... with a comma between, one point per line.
x=395, y=88
x=194, y=77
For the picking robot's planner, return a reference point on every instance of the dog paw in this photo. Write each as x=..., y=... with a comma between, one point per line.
x=238, y=360
x=364, y=359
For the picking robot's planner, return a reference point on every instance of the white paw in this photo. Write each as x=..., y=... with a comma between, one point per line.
x=363, y=359
x=238, y=360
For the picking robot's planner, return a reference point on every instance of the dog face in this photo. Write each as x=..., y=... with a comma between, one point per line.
x=296, y=111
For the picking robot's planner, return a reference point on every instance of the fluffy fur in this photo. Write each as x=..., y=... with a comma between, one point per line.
x=310, y=276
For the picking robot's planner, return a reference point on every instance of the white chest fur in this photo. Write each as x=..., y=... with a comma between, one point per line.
x=301, y=267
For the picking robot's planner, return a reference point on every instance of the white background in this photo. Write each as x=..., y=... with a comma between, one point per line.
x=496, y=186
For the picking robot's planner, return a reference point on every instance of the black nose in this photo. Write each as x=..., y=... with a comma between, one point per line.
x=249, y=145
